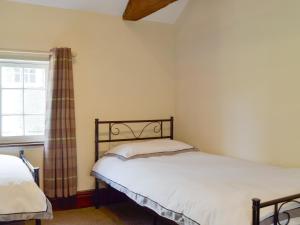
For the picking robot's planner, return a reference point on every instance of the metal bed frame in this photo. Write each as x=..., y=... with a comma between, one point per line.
x=158, y=125
x=114, y=130
x=278, y=204
x=34, y=172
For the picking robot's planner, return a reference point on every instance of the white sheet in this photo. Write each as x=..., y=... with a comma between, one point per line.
x=19, y=195
x=210, y=189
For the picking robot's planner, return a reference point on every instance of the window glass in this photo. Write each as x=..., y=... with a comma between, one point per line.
x=22, y=99
x=34, y=125
x=12, y=126
x=34, y=101
x=34, y=78
x=12, y=101
x=11, y=77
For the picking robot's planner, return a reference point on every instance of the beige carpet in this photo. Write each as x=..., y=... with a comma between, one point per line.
x=119, y=214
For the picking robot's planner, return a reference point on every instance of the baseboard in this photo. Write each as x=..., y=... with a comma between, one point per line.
x=81, y=200
x=84, y=199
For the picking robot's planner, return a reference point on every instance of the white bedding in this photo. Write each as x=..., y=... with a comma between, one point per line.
x=20, y=197
x=208, y=189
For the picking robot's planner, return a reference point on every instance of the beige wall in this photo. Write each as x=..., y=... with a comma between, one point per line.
x=238, y=77
x=237, y=73
x=122, y=70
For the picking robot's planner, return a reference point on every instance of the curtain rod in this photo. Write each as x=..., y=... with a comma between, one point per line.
x=15, y=51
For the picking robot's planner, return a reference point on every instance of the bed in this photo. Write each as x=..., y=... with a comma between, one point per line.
x=191, y=187
x=21, y=197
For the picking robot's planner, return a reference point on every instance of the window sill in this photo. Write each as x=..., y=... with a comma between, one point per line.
x=21, y=144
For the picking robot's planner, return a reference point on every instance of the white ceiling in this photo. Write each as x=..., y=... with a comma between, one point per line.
x=112, y=7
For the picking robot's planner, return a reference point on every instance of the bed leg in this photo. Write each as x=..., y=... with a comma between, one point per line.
x=155, y=220
x=97, y=195
x=38, y=222
x=255, y=211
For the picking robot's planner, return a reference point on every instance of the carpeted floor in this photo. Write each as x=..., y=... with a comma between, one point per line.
x=119, y=214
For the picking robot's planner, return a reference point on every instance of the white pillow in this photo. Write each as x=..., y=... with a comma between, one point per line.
x=130, y=150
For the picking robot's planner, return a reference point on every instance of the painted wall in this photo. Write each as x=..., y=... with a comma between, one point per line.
x=122, y=70
x=237, y=89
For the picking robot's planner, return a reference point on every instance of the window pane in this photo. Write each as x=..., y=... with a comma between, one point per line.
x=12, y=126
x=12, y=77
x=12, y=101
x=34, y=101
x=34, y=125
x=34, y=77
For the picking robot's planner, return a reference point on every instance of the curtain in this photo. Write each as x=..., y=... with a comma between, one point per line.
x=60, y=162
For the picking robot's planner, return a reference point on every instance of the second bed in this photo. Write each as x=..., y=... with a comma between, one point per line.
x=191, y=187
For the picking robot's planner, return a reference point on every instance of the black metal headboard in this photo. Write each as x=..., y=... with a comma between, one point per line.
x=114, y=131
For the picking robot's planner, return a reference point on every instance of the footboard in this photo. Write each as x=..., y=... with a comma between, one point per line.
x=280, y=214
x=35, y=171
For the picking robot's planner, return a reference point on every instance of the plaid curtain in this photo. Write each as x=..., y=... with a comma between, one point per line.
x=60, y=162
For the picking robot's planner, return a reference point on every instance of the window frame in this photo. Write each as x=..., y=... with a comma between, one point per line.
x=22, y=63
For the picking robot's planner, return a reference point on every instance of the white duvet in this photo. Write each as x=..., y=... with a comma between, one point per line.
x=20, y=197
x=209, y=189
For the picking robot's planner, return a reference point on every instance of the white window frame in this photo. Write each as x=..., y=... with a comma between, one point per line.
x=21, y=63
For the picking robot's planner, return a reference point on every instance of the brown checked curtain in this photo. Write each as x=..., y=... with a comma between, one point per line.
x=60, y=163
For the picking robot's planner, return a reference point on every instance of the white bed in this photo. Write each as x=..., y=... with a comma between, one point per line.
x=195, y=188
x=20, y=196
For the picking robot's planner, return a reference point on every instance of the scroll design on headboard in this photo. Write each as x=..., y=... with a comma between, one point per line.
x=114, y=130
x=279, y=212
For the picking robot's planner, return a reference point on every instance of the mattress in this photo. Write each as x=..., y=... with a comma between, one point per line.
x=195, y=188
x=21, y=198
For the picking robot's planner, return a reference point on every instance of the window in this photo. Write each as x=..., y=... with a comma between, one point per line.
x=22, y=100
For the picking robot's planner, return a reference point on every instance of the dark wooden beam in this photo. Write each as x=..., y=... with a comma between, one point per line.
x=138, y=9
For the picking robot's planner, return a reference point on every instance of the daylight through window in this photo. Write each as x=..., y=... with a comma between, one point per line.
x=22, y=97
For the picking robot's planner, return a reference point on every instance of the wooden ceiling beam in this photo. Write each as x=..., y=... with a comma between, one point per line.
x=138, y=9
